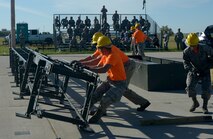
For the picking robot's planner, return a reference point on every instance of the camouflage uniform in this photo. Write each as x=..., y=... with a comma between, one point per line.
x=178, y=39
x=104, y=14
x=198, y=69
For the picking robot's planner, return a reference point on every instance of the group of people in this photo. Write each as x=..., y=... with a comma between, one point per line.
x=109, y=59
x=179, y=40
x=119, y=68
x=84, y=29
x=125, y=23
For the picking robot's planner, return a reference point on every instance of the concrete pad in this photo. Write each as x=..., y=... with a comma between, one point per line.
x=123, y=121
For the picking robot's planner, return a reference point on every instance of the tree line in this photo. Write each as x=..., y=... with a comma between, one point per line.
x=4, y=33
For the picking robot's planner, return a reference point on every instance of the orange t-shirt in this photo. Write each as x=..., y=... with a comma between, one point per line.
x=139, y=36
x=123, y=56
x=117, y=71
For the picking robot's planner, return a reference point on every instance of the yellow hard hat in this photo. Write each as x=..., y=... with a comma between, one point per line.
x=104, y=41
x=95, y=37
x=192, y=40
x=132, y=28
x=137, y=25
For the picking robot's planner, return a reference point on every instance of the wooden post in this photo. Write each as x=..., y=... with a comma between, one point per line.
x=13, y=36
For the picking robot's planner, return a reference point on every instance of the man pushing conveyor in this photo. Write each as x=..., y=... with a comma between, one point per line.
x=101, y=63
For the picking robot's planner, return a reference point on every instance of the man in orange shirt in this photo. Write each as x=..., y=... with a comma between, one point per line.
x=111, y=90
x=129, y=65
x=138, y=39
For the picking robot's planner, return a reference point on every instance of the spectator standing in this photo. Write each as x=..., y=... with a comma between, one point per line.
x=104, y=14
x=178, y=39
x=115, y=18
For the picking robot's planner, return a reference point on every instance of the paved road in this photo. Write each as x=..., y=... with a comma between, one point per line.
x=122, y=122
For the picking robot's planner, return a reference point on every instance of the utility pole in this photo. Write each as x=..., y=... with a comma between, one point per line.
x=13, y=36
x=144, y=7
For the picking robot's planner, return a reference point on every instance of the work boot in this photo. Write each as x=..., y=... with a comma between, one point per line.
x=205, y=103
x=143, y=107
x=194, y=105
x=97, y=116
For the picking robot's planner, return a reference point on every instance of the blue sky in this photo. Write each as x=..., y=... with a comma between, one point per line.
x=189, y=15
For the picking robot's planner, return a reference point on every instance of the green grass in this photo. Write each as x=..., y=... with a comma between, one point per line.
x=4, y=49
x=172, y=44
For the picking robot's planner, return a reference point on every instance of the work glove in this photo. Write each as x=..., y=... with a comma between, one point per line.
x=74, y=62
x=79, y=66
x=199, y=73
x=195, y=72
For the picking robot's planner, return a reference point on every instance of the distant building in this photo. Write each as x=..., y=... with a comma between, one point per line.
x=4, y=30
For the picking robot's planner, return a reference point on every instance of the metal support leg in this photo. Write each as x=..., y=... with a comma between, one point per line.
x=34, y=93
